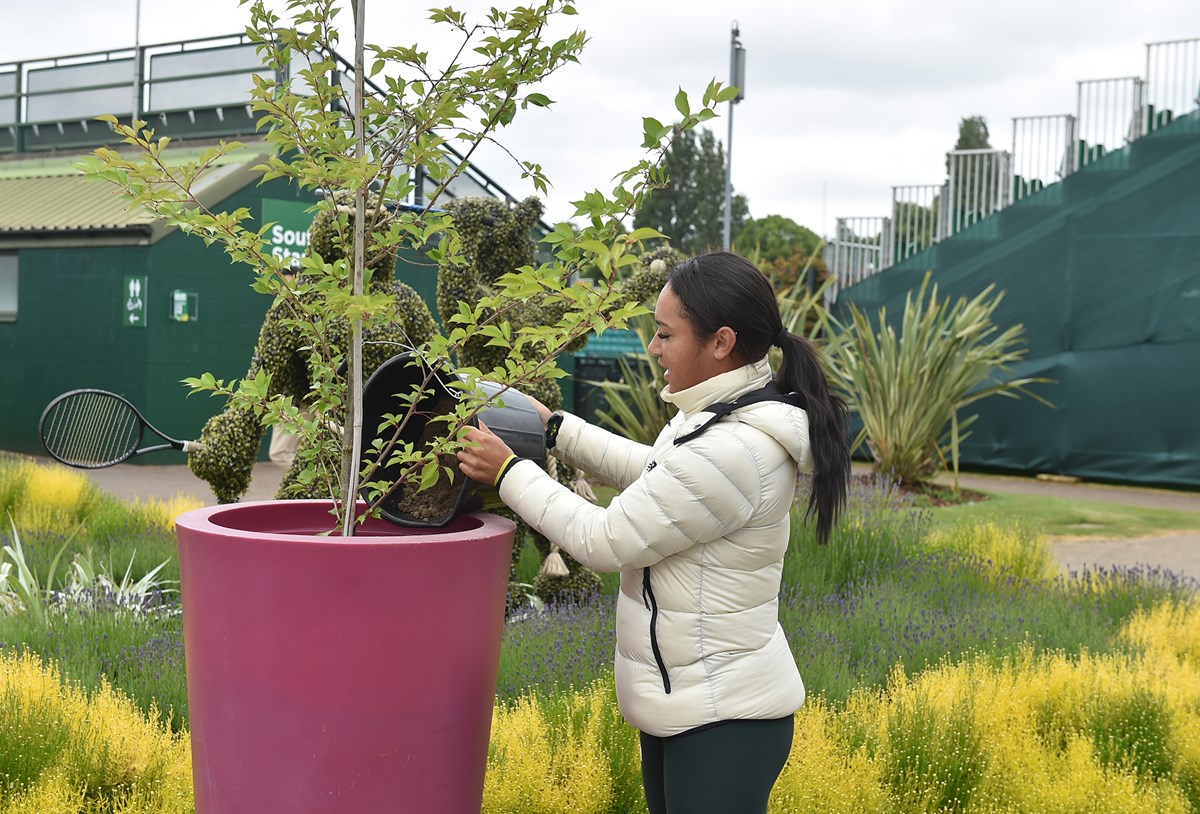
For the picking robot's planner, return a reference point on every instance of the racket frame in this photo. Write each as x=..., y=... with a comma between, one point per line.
x=133, y=451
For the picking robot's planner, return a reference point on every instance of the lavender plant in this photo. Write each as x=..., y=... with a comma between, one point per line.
x=142, y=657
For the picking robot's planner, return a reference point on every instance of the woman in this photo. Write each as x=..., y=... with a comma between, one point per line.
x=699, y=532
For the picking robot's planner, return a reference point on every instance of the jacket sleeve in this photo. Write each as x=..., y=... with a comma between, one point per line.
x=612, y=457
x=696, y=493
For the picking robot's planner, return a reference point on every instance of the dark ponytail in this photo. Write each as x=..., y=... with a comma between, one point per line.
x=722, y=289
x=801, y=372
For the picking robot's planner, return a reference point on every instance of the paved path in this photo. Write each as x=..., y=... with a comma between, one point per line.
x=142, y=482
x=1179, y=551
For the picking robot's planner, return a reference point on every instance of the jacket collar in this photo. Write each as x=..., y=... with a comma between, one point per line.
x=722, y=387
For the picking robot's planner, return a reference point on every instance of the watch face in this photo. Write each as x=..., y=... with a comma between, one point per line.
x=552, y=430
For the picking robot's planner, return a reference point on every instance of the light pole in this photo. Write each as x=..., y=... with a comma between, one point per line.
x=737, y=78
x=137, y=61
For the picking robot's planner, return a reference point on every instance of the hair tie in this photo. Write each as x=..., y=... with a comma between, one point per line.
x=782, y=336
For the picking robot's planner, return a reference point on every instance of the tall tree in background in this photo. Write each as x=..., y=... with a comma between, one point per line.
x=689, y=210
x=780, y=247
x=774, y=237
x=972, y=134
x=977, y=178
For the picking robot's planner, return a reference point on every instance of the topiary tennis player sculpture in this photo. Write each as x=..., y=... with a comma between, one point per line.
x=230, y=440
x=496, y=240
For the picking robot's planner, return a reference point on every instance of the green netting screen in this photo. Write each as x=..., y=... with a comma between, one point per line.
x=1103, y=270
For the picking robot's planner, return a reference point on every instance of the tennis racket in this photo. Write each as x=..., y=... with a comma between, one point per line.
x=92, y=429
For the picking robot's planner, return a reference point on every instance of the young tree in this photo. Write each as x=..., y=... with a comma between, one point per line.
x=357, y=151
x=690, y=210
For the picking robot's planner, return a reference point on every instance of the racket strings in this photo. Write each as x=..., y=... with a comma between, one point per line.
x=91, y=429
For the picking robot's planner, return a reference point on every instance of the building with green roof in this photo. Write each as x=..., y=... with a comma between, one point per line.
x=94, y=293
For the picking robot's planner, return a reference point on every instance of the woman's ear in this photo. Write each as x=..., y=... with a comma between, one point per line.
x=726, y=340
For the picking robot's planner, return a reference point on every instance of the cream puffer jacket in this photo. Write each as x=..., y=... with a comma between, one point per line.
x=698, y=533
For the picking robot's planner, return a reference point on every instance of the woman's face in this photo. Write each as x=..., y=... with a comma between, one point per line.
x=688, y=359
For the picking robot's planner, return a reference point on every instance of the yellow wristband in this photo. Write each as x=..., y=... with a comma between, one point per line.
x=504, y=468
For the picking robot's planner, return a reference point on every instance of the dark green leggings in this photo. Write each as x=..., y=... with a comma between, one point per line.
x=725, y=768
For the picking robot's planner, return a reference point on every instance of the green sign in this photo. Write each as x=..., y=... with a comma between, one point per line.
x=133, y=301
x=289, y=235
x=184, y=306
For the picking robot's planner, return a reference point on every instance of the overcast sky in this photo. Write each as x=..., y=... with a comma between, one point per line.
x=843, y=99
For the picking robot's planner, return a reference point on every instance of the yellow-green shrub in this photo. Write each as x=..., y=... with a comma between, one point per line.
x=1168, y=629
x=1043, y=734
x=1032, y=734
x=1169, y=634
x=551, y=756
x=824, y=772
x=1009, y=551
x=64, y=751
x=46, y=497
x=55, y=498
x=159, y=515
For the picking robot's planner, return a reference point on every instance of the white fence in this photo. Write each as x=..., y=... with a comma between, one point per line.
x=1172, y=81
x=916, y=220
x=857, y=251
x=980, y=185
x=1109, y=114
x=1043, y=152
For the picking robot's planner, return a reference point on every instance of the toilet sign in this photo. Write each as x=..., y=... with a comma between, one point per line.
x=133, y=295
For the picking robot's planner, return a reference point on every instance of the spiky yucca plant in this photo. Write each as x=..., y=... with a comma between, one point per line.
x=909, y=387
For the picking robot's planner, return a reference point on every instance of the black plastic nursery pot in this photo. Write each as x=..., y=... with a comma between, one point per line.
x=514, y=419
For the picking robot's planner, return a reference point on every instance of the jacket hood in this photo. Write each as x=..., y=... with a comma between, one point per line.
x=787, y=424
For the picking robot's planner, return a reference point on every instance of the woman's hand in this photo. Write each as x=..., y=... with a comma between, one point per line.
x=542, y=410
x=483, y=459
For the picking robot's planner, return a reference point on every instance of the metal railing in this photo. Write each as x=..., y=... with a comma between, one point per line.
x=857, y=251
x=1043, y=152
x=48, y=104
x=980, y=185
x=1108, y=116
x=1172, y=81
x=915, y=221
x=190, y=88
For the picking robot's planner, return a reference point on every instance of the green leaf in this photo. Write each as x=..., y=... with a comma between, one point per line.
x=652, y=129
x=643, y=233
x=681, y=103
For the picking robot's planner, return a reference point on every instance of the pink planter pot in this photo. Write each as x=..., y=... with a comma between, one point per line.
x=339, y=675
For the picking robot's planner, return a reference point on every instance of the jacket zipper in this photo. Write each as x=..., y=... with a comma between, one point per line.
x=648, y=598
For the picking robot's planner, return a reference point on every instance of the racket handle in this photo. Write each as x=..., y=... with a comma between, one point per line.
x=190, y=446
